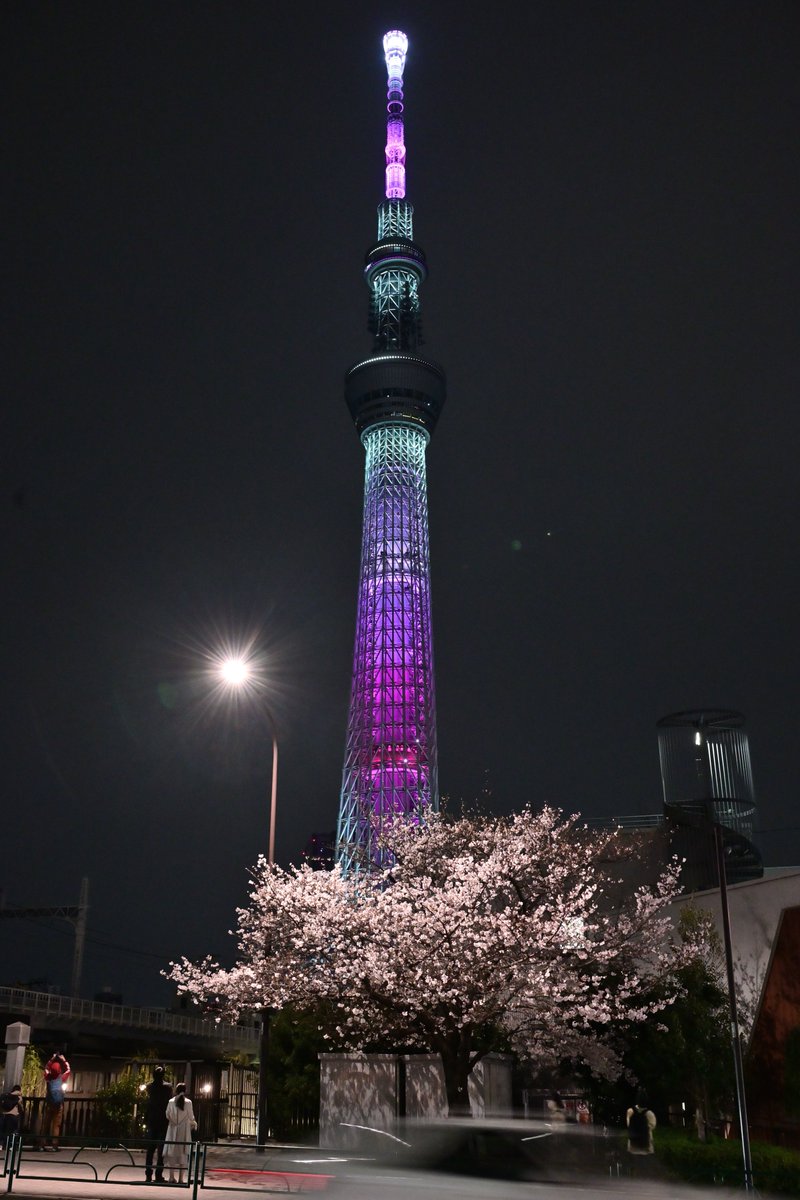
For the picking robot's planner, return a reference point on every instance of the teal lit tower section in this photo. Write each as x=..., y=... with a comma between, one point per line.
x=394, y=396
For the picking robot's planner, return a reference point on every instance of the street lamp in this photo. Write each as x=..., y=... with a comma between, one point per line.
x=236, y=673
x=708, y=824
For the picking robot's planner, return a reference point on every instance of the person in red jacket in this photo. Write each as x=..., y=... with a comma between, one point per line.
x=56, y=1073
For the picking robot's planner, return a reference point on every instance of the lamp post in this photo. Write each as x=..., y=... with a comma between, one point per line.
x=736, y=1045
x=708, y=824
x=236, y=673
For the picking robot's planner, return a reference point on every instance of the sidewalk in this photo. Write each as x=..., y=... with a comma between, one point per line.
x=116, y=1173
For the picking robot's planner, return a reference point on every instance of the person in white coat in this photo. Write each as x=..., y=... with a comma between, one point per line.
x=180, y=1123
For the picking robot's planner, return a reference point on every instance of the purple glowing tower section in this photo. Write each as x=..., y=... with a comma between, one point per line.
x=392, y=738
x=395, y=396
x=395, y=48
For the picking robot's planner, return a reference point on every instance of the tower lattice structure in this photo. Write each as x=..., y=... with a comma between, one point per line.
x=395, y=396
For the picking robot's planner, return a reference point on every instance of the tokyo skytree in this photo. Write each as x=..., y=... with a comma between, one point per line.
x=395, y=395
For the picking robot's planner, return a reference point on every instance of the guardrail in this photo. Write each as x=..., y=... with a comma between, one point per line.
x=238, y=1166
x=72, y=1008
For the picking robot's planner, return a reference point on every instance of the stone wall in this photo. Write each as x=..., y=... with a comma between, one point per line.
x=363, y=1096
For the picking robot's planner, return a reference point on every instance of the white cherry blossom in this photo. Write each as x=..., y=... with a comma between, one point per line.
x=484, y=931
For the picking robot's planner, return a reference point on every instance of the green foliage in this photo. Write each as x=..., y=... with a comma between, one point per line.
x=687, y=1054
x=683, y=1053
x=295, y=1042
x=32, y=1068
x=775, y=1169
x=114, y=1107
x=696, y=927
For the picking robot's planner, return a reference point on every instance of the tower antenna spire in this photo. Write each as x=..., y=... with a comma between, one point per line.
x=395, y=49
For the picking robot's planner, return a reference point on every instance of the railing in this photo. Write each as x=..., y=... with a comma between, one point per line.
x=631, y=821
x=232, y=1116
x=72, y=1008
x=78, y=1119
x=236, y=1167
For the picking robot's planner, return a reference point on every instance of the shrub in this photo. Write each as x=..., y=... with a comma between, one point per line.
x=113, y=1108
x=775, y=1169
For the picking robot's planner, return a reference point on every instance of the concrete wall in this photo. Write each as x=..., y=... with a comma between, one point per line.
x=490, y=1087
x=425, y=1094
x=356, y=1090
x=367, y=1092
x=755, y=911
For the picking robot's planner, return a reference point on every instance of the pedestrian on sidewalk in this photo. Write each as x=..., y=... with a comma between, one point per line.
x=180, y=1123
x=159, y=1094
x=641, y=1122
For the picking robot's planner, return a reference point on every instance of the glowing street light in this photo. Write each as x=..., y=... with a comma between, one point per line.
x=235, y=671
x=238, y=674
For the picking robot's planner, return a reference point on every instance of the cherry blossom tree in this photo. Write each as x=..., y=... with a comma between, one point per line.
x=516, y=930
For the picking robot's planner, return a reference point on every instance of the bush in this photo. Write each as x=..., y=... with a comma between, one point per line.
x=113, y=1108
x=775, y=1169
x=32, y=1082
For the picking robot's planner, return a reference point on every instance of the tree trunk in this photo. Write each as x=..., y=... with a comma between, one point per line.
x=456, y=1073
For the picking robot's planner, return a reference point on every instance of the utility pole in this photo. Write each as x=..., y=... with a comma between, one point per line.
x=80, y=938
x=74, y=913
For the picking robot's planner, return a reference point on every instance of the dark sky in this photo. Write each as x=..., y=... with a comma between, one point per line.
x=608, y=197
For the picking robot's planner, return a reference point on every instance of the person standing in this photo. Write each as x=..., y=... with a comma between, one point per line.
x=641, y=1122
x=56, y=1073
x=178, y=1143
x=159, y=1094
x=12, y=1107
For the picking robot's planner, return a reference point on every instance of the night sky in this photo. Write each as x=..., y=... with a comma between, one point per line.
x=607, y=194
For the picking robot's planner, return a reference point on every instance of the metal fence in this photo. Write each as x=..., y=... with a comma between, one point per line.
x=232, y=1117
x=79, y=1120
x=205, y=1167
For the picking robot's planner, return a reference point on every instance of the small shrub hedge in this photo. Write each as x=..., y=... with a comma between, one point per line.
x=114, y=1107
x=775, y=1169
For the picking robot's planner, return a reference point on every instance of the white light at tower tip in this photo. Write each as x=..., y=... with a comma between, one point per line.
x=395, y=48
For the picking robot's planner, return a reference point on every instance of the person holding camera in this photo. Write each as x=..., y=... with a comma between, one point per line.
x=56, y=1073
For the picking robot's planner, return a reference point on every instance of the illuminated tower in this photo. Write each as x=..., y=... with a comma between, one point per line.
x=395, y=396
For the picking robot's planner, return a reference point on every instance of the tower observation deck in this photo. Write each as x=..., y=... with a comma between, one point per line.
x=395, y=396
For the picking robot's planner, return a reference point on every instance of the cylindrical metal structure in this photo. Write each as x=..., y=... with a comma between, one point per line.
x=705, y=770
